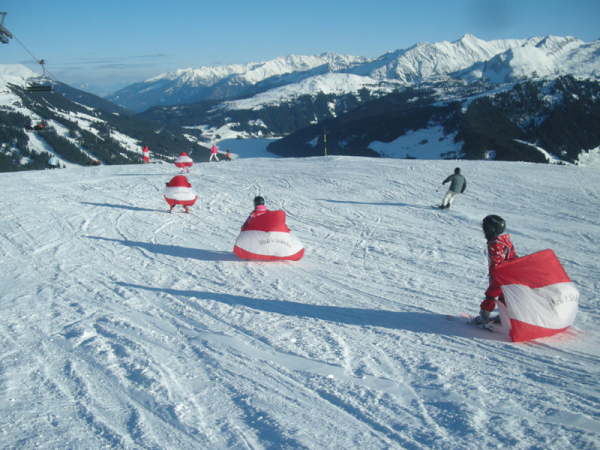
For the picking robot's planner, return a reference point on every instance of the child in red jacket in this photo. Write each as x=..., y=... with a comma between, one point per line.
x=259, y=209
x=500, y=249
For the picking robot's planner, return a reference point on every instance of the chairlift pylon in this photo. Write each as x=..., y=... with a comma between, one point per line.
x=5, y=35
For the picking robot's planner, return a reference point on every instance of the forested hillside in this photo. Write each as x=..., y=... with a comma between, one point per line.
x=83, y=135
x=560, y=116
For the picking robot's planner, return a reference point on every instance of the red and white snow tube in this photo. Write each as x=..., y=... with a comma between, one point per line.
x=541, y=299
x=179, y=191
x=267, y=237
x=183, y=161
x=146, y=154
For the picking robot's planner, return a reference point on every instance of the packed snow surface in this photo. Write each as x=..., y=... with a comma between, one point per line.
x=126, y=327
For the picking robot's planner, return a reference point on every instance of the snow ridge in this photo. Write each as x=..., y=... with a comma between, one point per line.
x=469, y=58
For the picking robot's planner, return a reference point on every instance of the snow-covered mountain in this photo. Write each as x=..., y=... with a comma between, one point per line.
x=551, y=57
x=16, y=74
x=428, y=86
x=462, y=71
x=78, y=128
x=468, y=58
x=190, y=85
x=424, y=61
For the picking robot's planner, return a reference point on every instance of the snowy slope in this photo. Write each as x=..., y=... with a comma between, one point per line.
x=331, y=83
x=14, y=74
x=127, y=327
x=95, y=127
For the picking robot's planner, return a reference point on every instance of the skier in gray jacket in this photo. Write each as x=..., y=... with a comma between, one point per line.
x=457, y=186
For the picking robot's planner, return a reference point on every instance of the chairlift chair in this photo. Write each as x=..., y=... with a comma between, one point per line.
x=35, y=84
x=41, y=83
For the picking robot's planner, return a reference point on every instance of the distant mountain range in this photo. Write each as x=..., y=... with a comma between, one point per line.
x=535, y=99
x=470, y=59
x=519, y=88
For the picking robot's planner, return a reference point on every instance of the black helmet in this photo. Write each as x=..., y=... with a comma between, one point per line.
x=259, y=201
x=457, y=170
x=493, y=226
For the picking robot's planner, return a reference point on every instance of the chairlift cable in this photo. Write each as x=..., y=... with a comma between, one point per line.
x=12, y=36
x=39, y=61
x=38, y=86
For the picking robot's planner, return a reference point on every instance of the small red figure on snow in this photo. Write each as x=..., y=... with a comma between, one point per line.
x=179, y=191
x=184, y=162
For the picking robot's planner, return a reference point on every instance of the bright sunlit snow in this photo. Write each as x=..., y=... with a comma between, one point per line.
x=428, y=143
x=124, y=326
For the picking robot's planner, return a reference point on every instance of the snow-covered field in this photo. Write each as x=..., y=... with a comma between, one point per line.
x=127, y=327
x=428, y=143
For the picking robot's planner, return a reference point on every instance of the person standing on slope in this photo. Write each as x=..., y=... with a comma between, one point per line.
x=457, y=186
x=259, y=209
x=500, y=249
x=213, y=152
x=53, y=162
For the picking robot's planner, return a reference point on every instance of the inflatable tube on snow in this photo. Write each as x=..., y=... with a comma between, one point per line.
x=179, y=191
x=267, y=237
x=183, y=161
x=541, y=299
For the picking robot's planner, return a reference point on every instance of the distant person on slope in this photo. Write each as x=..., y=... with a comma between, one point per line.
x=499, y=249
x=259, y=209
x=228, y=156
x=457, y=186
x=213, y=152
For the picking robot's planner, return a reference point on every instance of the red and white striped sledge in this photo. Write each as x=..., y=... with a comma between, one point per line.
x=183, y=161
x=541, y=299
x=179, y=191
x=267, y=237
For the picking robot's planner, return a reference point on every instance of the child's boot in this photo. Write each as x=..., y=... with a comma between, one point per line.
x=482, y=319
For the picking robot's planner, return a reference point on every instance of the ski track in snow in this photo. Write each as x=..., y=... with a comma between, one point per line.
x=126, y=327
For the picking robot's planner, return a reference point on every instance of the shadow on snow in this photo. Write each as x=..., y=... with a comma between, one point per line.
x=417, y=322
x=173, y=250
x=110, y=205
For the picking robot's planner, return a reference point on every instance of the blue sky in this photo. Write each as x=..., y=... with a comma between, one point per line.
x=111, y=43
